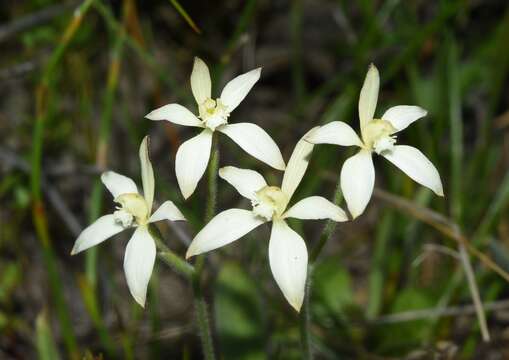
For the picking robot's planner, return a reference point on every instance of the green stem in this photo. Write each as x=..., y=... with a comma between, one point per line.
x=169, y=257
x=305, y=316
x=200, y=304
x=212, y=181
x=305, y=319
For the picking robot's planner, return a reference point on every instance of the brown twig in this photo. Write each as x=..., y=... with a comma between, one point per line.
x=441, y=223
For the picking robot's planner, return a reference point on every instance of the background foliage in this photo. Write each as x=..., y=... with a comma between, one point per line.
x=75, y=85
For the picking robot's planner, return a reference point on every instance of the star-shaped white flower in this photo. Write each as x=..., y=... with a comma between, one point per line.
x=193, y=155
x=288, y=255
x=134, y=211
x=378, y=135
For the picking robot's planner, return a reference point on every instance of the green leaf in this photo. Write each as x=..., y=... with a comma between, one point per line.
x=238, y=314
x=332, y=286
x=45, y=343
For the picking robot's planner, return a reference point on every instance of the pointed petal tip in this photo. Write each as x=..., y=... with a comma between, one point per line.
x=152, y=116
x=189, y=254
x=140, y=301
x=296, y=305
x=281, y=167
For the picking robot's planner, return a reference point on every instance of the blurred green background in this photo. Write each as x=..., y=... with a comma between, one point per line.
x=76, y=79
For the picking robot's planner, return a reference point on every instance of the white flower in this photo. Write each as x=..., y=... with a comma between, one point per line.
x=193, y=155
x=378, y=135
x=288, y=256
x=134, y=211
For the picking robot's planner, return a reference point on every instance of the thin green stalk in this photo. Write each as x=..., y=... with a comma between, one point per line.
x=212, y=181
x=169, y=257
x=305, y=315
x=43, y=97
x=457, y=175
x=200, y=305
x=145, y=56
x=102, y=147
x=305, y=319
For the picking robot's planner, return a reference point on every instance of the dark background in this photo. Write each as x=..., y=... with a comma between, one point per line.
x=72, y=106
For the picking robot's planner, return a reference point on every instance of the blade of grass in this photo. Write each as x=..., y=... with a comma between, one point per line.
x=46, y=348
x=186, y=16
x=298, y=78
x=456, y=125
x=43, y=99
x=440, y=223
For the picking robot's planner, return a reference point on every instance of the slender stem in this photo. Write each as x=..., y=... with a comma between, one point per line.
x=169, y=257
x=212, y=180
x=305, y=319
x=305, y=316
x=474, y=292
x=329, y=228
x=202, y=318
x=200, y=305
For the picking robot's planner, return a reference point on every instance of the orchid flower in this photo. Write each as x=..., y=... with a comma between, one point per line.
x=377, y=135
x=134, y=211
x=288, y=255
x=193, y=155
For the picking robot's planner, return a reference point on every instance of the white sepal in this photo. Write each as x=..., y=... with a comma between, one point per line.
x=336, y=133
x=246, y=182
x=357, y=181
x=237, y=89
x=256, y=142
x=191, y=161
x=297, y=165
x=402, y=116
x=147, y=173
x=101, y=229
x=316, y=208
x=167, y=211
x=417, y=166
x=118, y=184
x=224, y=228
x=176, y=114
x=288, y=258
x=369, y=96
x=200, y=81
x=139, y=258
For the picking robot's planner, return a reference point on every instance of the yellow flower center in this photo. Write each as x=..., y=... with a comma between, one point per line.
x=377, y=136
x=132, y=207
x=270, y=202
x=213, y=113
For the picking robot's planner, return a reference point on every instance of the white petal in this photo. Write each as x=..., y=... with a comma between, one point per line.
x=237, y=89
x=176, y=114
x=223, y=229
x=140, y=255
x=403, y=115
x=191, y=161
x=357, y=181
x=102, y=229
x=316, y=208
x=336, y=133
x=118, y=184
x=297, y=165
x=256, y=142
x=369, y=96
x=417, y=166
x=288, y=259
x=167, y=211
x=246, y=182
x=200, y=81
x=147, y=173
